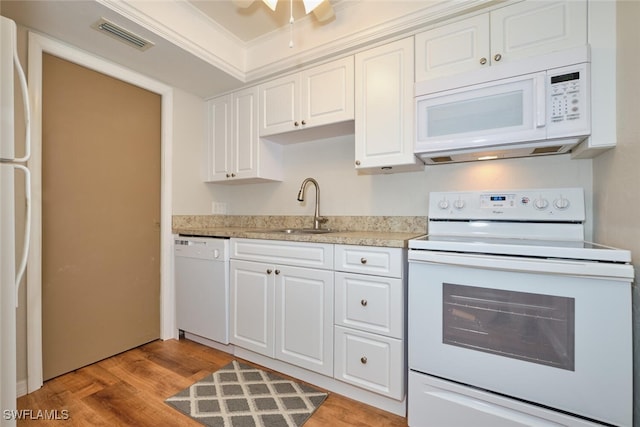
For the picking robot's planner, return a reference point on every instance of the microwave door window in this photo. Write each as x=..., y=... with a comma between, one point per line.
x=488, y=113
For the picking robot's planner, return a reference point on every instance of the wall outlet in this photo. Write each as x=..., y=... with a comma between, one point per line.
x=218, y=208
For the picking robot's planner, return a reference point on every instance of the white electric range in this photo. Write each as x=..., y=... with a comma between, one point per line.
x=513, y=318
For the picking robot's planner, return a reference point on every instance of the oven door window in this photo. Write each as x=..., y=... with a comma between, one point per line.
x=520, y=325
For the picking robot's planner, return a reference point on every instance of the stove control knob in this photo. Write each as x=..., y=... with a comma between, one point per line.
x=540, y=203
x=458, y=204
x=561, y=203
x=443, y=204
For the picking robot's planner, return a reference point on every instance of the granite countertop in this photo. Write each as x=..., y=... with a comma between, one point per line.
x=364, y=231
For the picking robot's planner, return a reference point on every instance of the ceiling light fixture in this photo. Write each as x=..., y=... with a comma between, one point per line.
x=321, y=9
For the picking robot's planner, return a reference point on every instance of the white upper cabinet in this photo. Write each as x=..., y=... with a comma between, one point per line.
x=235, y=153
x=218, y=146
x=507, y=34
x=384, y=109
x=315, y=97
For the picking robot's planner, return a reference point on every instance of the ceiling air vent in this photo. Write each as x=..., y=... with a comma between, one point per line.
x=119, y=33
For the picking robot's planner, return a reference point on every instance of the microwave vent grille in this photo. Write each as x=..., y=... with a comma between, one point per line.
x=548, y=150
x=441, y=159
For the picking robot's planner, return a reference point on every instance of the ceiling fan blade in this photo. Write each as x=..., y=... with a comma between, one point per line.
x=271, y=3
x=324, y=12
x=242, y=4
x=310, y=5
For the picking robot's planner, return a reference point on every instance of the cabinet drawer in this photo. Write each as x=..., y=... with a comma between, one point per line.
x=370, y=361
x=302, y=254
x=370, y=303
x=369, y=260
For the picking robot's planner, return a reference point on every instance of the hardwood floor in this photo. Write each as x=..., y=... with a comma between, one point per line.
x=129, y=389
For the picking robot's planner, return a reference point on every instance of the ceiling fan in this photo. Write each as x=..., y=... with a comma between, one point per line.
x=322, y=9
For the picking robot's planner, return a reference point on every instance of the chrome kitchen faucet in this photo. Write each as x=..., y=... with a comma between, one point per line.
x=317, y=220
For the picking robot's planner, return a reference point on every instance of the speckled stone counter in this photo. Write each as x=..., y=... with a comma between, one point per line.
x=388, y=231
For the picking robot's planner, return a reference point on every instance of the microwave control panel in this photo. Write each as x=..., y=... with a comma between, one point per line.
x=568, y=92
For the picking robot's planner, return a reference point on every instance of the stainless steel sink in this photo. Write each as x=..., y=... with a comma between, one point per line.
x=302, y=231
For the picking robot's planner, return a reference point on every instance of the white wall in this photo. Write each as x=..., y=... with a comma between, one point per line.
x=344, y=192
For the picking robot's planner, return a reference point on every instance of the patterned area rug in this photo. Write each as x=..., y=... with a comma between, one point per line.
x=239, y=395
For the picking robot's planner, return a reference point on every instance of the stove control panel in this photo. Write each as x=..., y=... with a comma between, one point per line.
x=548, y=204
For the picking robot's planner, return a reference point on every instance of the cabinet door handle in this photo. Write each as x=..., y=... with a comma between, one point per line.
x=483, y=60
x=497, y=57
x=363, y=360
x=363, y=302
x=233, y=175
x=363, y=260
x=357, y=162
x=296, y=124
x=277, y=271
x=228, y=175
x=269, y=271
x=304, y=122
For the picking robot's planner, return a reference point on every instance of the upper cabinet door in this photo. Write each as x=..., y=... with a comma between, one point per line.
x=218, y=149
x=533, y=28
x=507, y=34
x=245, y=132
x=315, y=97
x=385, y=108
x=327, y=93
x=279, y=105
x=454, y=48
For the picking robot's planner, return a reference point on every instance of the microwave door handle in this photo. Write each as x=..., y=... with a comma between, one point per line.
x=541, y=99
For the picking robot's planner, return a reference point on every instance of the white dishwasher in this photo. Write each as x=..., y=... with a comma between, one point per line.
x=202, y=286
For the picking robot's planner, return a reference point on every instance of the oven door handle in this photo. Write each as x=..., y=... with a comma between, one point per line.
x=565, y=267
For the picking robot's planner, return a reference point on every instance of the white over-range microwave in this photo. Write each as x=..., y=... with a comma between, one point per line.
x=535, y=107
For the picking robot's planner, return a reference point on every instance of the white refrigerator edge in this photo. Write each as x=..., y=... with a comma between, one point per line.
x=10, y=274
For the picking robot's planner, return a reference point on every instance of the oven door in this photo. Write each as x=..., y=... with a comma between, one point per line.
x=552, y=332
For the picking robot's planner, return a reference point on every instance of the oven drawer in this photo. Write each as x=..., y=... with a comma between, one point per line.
x=436, y=402
x=370, y=303
x=369, y=260
x=373, y=362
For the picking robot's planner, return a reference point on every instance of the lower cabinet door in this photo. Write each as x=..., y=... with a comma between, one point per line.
x=252, y=302
x=373, y=362
x=304, y=318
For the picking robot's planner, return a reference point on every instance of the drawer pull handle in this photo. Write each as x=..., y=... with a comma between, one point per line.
x=277, y=271
x=363, y=360
x=269, y=271
x=363, y=302
x=363, y=260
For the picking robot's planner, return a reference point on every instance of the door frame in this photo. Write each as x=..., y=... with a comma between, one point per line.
x=38, y=45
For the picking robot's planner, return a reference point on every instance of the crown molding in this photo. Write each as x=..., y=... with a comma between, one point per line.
x=188, y=28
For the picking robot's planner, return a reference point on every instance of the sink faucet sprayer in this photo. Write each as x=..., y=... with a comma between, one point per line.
x=317, y=220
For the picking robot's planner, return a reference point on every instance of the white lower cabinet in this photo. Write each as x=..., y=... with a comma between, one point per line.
x=370, y=361
x=370, y=290
x=281, y=310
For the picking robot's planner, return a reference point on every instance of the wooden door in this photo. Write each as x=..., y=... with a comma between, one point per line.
x=101, y=214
